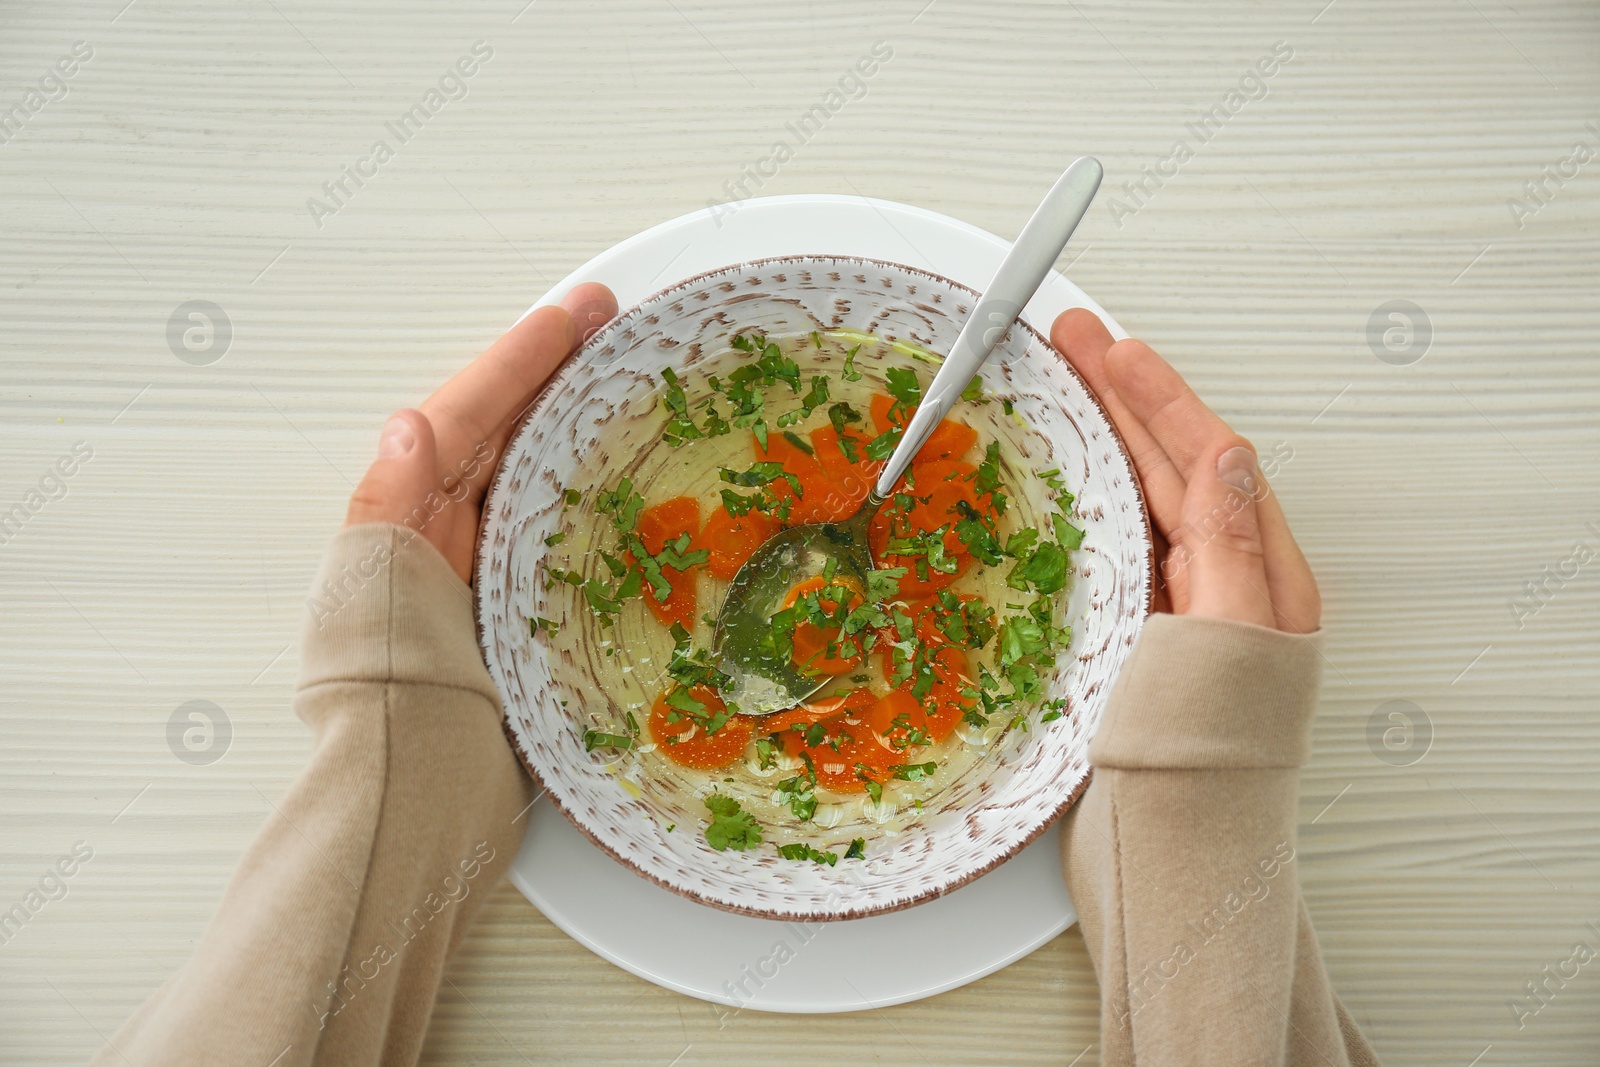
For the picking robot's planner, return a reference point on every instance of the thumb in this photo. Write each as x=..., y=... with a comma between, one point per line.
x=397, y=487
x=1220, y=541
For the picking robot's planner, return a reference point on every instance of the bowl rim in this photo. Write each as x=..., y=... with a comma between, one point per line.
x=479, y=562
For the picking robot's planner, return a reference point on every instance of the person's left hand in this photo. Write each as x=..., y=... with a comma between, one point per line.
x=434, y=464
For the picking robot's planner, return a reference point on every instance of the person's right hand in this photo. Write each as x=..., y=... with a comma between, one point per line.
x=1223, y=545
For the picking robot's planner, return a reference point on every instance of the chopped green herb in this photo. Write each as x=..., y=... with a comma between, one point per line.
x=1045, y=569
x=882, y=445
x=593, y=739
x=621, y=503
x=884, y=583
x=600, y=599
x=804, y=851
x=974, y=532
x=1053, y=479
x=986, y=479
x=842, y=414
x=903, y=385
x=849, y=373
x=799, y=442
x=857, y=849
x=799, y=793
x=730, y=827
x=1069, y=535
x=680, y=422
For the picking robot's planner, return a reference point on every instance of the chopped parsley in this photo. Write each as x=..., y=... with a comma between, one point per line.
x=799, y=793
x=730, y=827
x=874, y=787
x=849, y=373
x=593, y=739
x=1066, y=533
x=802, y=851
x=799, y=442
x=623, y=504
x=1044, y=569
x=841, y=415
x=903, y=385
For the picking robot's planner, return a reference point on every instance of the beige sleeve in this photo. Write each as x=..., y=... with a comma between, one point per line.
x=331, y=939
x=1180, y=856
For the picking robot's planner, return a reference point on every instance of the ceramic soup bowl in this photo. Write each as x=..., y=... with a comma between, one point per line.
x=600, y=419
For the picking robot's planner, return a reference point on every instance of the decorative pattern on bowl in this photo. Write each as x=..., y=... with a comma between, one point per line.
x=601, y=411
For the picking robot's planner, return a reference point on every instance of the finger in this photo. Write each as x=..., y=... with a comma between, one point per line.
x=591, y=306
x=455, y=535
x=398, y=482
x=1295, y=598
x=1080, y=336
x=1187, y=431
x=469, y=409
x=1219, y=545
x=1158, y=397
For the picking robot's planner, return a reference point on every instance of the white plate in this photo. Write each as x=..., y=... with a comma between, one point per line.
x=761, y=964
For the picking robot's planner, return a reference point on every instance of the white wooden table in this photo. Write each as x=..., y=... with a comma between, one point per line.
x=1431, y=479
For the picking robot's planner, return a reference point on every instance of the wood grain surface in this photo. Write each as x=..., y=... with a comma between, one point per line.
x=1429, y=488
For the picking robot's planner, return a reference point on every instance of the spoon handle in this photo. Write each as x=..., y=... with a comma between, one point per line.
x=1031, y=256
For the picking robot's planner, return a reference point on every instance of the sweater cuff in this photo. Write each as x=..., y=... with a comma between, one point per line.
x=386, y=607
x=1205, y=693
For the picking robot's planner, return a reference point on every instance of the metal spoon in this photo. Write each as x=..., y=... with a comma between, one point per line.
x=763, y=682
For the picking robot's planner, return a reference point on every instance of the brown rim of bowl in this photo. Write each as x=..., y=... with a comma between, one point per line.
x=505, y=718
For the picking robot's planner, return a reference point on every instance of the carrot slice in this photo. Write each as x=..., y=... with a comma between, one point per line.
x=912, y=586
x=938, y=488
x=813, y=645
x=881, y=406
x=685, y=741
x=896, y=706
x=848, y=481
x=733, y=540
x=900, y=715
x=812, y=503
x=949, y=440
x=848, y=755
x=818, y=710
x=657, y=525
x=944, y=705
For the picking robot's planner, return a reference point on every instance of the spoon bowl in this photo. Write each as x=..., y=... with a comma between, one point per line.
x=765, y=680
